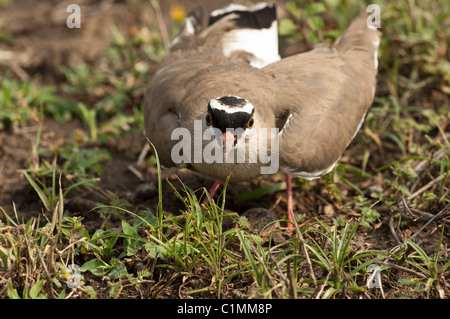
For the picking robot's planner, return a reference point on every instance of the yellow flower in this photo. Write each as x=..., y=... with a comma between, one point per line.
x=177, y=12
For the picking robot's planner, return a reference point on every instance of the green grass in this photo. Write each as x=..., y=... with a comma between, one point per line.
x=403, y=148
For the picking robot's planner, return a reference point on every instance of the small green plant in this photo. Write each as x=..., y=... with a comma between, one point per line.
x=337, y=258
x=29, y=257
x=306, y=22
x=90, y=118
x=432, y=267
x=52, y=199
x=82, y=79
x=34, y=293
x=21, y=102
x=268, y=266
x=82, y=163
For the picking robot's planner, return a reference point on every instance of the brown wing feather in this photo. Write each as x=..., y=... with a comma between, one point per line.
x=327, y=92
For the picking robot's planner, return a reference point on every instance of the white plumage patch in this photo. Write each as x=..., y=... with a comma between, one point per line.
x=188, y=29
x=262, y=43
x=376, y=43
x=285, y=123
x=308, y=175
x=215, y=104
x=239, y=7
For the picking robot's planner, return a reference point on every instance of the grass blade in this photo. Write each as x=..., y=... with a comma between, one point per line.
x=44, y=199
x=248, y=254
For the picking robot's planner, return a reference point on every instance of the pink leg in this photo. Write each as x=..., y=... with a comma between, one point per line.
x=290, y=206
x=212, y=190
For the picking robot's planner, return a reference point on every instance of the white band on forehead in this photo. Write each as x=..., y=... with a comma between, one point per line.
x=239, y=7
x=217, y=105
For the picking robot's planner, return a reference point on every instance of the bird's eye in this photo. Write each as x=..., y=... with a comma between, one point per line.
x=208, y=119
x=250, y=123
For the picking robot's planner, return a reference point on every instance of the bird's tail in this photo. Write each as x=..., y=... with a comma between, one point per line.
x=361, y=37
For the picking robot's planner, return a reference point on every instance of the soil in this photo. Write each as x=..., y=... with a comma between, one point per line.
x=43, y=44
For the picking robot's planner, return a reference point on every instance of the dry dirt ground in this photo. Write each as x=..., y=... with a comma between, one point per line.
x=42, y=46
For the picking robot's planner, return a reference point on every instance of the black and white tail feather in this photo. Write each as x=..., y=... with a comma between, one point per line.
x=254, y=35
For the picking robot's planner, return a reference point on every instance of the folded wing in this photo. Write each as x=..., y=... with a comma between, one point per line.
x=322, y=97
